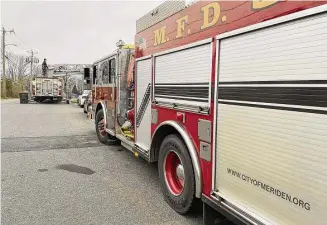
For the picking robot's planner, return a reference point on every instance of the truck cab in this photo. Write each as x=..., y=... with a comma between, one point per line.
x=112, y=91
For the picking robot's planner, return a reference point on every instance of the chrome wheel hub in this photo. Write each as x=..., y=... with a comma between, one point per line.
x=180, y=172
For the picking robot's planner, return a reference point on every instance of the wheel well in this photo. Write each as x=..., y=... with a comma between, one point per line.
x=173, y=127
x=157, y=139
x=99, y=106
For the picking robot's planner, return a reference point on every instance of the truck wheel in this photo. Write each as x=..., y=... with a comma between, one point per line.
x=176, y=175
x=102, y=134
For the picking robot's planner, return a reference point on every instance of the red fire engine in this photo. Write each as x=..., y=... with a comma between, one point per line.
x=230, y=98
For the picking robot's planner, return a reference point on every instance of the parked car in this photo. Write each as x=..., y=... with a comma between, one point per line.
x=88, y=102
x=82, y=97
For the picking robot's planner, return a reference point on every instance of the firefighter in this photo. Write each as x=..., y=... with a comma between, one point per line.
x=44, y=68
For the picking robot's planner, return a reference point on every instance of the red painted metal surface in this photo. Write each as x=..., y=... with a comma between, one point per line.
x=104, y=94
x=232, y=15
x=191, y=125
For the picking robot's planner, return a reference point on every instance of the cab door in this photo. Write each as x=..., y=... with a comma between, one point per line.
x=108, y=90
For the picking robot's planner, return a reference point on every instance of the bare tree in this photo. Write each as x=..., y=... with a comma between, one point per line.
x=17, y=67
x=37, y=70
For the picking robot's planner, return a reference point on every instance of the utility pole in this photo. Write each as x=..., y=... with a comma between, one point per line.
x=4, y=60
x=32, y=59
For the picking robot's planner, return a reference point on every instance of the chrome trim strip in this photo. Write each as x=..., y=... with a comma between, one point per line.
x=111, y=132
x=183, y=107
x=104, y=85
x=210, y=78
x=194, y=44
x=181, y=85
x=124, y=139
x=127, y=146
x=215, y=118
x=192, y=151
x=240, y=214
x=143, y=58
x=105, y=58
x=153, y=61
x=116, y=81
x=104, y=112
x=171, y=96
x=141, y=150
x=219, y=199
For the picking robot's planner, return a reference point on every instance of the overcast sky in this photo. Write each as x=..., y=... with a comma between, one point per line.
x=72, y=31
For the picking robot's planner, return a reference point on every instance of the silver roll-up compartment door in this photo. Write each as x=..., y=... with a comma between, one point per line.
x=271, y=121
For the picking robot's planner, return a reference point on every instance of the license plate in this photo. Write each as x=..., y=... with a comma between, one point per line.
x=54, y=98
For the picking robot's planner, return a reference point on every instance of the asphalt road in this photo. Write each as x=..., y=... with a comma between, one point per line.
x=54, y=171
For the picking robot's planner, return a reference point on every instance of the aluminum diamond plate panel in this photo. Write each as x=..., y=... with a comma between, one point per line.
x=160, y=13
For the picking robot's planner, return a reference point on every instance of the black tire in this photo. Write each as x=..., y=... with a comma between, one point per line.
x=186, y=201
x=86, y=107
x=107, y=138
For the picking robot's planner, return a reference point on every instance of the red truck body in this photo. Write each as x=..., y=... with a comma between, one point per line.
x=179, y=108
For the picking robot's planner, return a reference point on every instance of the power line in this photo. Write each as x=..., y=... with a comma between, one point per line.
x=10, y=60
x=28, y=47
x=31, y=51
x=11, y=50
x=22, y=45
x=22, y=52
x=8, y=56
x=15, y=42
x=19, y=46
x=10, y=38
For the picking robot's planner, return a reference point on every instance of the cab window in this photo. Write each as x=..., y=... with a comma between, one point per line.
x=112, y=70
x=105, y=72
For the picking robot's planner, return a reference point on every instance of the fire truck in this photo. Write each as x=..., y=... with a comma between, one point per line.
x=230, y=98
x=47, y=88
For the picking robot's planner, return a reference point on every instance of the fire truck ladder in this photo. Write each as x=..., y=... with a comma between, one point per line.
x=144, y=104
